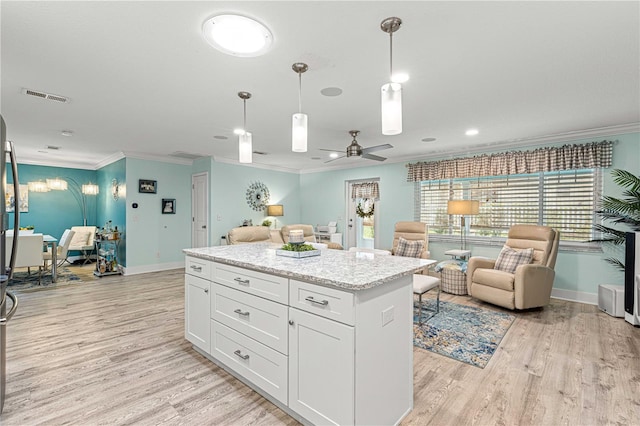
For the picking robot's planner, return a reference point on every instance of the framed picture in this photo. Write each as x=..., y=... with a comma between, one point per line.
x=10, y=199
x=168, y=206
x=147, y=186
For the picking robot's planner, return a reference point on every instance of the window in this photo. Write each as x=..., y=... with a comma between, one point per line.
x=565, y=200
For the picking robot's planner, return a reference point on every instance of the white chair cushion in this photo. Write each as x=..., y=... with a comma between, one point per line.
x=424, y=283
x=80, y=239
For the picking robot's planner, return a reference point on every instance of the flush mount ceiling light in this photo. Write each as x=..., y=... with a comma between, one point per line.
x=237, y=35
x=391, y=100
x=245, y=150
x=299, y=121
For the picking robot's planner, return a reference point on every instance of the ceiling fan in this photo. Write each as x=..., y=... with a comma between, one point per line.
x=355, y=150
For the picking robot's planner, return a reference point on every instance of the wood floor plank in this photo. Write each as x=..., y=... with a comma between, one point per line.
x=112, y=351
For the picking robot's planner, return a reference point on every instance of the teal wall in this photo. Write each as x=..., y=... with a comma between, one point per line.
x=228, y=186
x=54, y=211
x=322, y=198
x=155, y=239
x=110, y=208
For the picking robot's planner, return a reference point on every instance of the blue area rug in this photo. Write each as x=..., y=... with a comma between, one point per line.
x=464, y=333
x=22, y=281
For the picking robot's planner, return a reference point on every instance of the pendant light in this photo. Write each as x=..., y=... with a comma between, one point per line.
x=245, y=148
x=299, y=120
x=391, y=92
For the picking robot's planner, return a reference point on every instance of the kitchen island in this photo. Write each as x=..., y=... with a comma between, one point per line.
x=327, y=338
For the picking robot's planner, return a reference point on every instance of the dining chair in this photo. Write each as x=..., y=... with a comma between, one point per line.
x=62, y=250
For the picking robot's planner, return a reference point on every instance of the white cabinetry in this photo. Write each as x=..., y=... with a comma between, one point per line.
x=325, y=355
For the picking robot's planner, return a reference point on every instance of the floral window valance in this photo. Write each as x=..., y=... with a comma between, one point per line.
x=566, y=157
x=367, y=190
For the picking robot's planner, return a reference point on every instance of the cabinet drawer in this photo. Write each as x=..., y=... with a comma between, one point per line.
x=264, y=285
x=327, y=302
x=259, y=318
x=197, y=267
x=257, y=363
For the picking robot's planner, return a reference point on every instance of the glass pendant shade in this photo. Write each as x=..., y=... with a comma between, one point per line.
x=245, y=149
x=90, y=189
x=38, y=186
x=57, y=184
x=299, y=133
x=391, y=102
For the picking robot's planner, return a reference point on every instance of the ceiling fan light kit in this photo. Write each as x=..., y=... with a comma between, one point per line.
x=245, y=144
x=299, y=124
x=391, y=93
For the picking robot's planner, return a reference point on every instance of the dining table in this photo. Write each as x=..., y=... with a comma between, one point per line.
x=52, y=242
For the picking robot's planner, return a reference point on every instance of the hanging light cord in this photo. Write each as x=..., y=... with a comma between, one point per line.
x=390, y=54
x=244, y=125
x=299, y=92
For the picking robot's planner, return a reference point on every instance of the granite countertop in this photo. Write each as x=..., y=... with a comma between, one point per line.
x=336, y=268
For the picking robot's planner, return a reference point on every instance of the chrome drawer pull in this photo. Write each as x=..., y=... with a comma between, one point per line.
x=245, y=357
x=196, y=268
x=312, y=300
x=239, y=312
x=241, y=281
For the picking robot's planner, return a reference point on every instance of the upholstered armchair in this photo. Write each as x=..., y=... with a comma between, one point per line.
x=522, y=276
x=411, y=231
x=249, y=234
x=307, y=232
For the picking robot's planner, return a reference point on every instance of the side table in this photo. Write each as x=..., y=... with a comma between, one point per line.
x=452, y=272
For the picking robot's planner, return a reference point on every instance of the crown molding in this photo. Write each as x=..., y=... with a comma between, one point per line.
x=57, y=163
x=155, y=157
x=108, y=160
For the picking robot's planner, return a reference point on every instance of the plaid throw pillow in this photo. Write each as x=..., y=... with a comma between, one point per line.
x=409, y=248
x=509, y=259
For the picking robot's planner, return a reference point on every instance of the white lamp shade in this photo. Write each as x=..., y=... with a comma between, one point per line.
x=245, y=148
x=463, y=207
x=391, y=108
x=299, y=133
x=57, y=184
x=38, y=186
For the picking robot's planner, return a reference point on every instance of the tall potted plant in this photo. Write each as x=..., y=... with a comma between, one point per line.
x=620, y=211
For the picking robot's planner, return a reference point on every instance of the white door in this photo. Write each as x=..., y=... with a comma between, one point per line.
x=200, y=210
x=361, y=231
x=321, y=369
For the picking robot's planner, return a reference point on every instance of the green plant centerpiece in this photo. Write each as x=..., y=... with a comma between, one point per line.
x=27, y=228
x=620, y=211
x=297, y=247
x=266, y=223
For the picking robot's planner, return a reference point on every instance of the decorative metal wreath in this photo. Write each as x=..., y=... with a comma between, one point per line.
x=258, y=196
x=365, y=208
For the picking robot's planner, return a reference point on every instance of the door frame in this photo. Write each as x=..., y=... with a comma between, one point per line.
x=349, y=233
x=206, y=207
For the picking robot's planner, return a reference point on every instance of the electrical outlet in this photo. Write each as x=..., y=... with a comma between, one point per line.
x=387, y=315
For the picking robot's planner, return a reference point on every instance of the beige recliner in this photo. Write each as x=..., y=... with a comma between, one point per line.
x=412, y=231
x=530, y=286
x=249, y=234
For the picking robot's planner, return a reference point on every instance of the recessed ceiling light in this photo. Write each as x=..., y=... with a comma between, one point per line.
x=333, y=155
x=400, y=77
x=428, y=139
x=67, y=133
x=221, y=137
x=331, y=91
x=237, y=35
x=471, y=132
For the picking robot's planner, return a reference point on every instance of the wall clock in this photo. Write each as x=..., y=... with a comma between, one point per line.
x=258, y=196
x=115, y=189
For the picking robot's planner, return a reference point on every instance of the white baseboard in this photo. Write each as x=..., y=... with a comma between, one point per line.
x=134, y=270
x=575, y=296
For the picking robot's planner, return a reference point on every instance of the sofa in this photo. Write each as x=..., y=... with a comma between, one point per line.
x=263, y=234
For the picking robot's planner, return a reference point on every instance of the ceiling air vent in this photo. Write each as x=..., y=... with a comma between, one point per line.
x=53, y=147
x=47, y=96
x=182, y=154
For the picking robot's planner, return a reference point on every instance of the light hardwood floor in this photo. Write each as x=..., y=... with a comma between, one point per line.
x=112, y=351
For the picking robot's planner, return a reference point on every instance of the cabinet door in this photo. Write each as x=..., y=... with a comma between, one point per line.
x=321, y=369
x=197, y=305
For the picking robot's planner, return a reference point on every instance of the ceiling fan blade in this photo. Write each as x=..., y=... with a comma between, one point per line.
x=334, y=159
x=330, y=150
x=376, y=148
x=373, y=157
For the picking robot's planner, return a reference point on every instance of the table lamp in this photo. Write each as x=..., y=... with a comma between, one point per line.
x=462, y=208
x=275, y=210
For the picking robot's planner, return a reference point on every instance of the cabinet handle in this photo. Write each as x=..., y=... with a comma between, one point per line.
x=196, y=268
x=239, y=312
x=241, y=281
x=317, y=302
x=290, y=322
x=206, y=290
x=239, y=353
